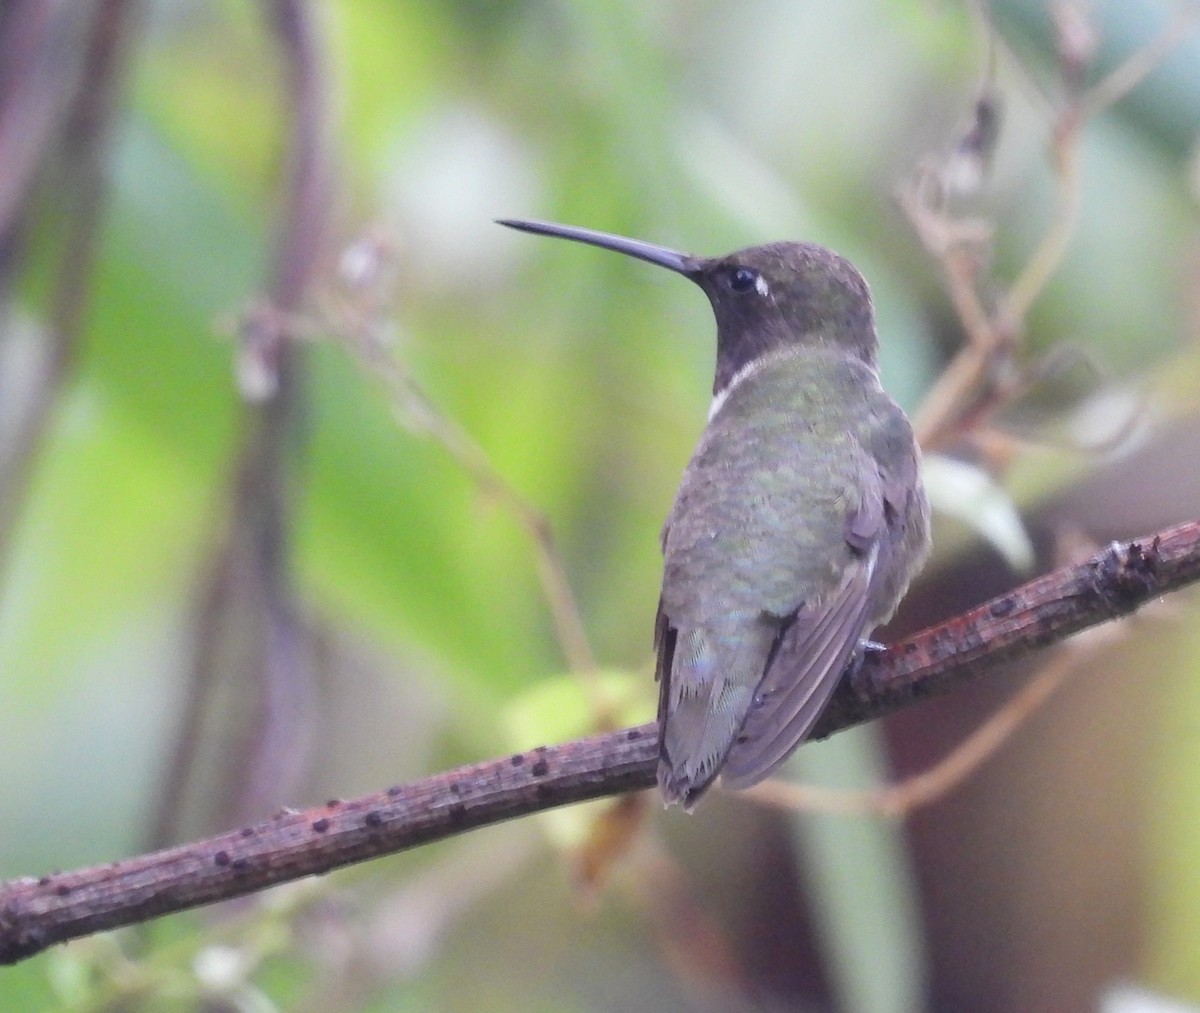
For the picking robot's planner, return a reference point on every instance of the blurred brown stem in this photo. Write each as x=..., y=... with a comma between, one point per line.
x=900, y=799
x=251, y=575
x=960, y=245
x=412, y=403
x=27, y=122
x=37, y=913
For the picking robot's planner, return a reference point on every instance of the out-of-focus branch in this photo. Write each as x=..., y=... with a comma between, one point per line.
x=967, y=390
x=900, y=799
x=358, y=320
x=37, y=913
x=414, y=405
x=251, y=577
x=988, y=374
x=33, y=92
x=27, y=121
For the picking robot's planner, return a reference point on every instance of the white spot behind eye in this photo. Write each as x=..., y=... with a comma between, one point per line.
x=761, y=286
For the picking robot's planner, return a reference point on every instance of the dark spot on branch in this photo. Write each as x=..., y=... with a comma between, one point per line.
x=540, y=769
x=457, y=813
x=44, y=881
x=517, y=759
x=221, y=858
x=1145, y=560
x=633, y=734
x=394, y=790
x=942, y=643
x=1124, y=576
x=455, y=788
x=373, y=819
x=1001, y=607
x=240, y=865
x=63, y=890
x=321, y=825
x=247, y=831
x=333, y=803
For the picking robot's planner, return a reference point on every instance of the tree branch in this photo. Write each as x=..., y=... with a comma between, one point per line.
x=37, y=913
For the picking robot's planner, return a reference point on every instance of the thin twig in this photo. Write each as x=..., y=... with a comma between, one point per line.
x=422, y=414
x=954, y=243
x=359, y=318
x=1048, y=256
x=37, y=913
x=898, y=800
x=1045, y=260
x=1121, y=81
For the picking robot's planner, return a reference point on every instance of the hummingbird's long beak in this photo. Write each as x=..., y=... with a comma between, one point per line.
x=671, y=259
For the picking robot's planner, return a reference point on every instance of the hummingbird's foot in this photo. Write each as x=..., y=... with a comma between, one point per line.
x=860, y=671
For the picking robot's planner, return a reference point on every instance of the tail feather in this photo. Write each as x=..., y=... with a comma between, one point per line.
x=706, y=692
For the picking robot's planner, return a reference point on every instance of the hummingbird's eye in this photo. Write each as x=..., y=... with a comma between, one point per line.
x=742, y=279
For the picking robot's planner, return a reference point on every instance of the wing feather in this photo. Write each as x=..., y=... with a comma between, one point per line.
x=814, y=652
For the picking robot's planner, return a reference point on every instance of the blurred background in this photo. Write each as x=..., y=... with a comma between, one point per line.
x=281, y=412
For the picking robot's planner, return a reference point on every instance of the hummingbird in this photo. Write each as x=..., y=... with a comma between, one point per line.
x=800, y=519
